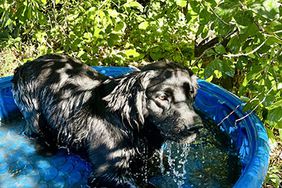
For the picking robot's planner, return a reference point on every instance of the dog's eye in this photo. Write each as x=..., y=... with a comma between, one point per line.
x=163, y=97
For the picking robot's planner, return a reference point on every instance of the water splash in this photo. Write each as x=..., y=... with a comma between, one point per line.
x=177, y=159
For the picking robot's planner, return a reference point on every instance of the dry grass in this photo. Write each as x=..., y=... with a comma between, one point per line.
x=10, y=58
x=8, y=62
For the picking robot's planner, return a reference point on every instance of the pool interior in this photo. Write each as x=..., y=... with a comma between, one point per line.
x=211, y=161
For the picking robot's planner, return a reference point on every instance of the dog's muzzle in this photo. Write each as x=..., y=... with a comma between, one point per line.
x=188, y=135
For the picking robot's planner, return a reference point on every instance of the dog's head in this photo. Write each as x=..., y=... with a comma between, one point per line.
x=161, y=94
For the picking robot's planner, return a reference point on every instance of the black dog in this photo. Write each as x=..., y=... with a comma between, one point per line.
x=116, y=122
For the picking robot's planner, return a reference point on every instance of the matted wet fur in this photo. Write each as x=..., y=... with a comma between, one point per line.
x=117, y=123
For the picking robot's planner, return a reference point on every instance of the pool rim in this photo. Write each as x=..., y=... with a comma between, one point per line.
x=252, y=176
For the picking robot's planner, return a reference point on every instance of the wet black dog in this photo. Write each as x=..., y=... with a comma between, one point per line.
x=118, y=122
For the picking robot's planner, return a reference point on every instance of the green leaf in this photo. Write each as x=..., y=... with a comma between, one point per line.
x=244, y=99
x=219, y=68
x=44, y=2
x=279, y=86
x=177, y=57
x=196, y=7
x=216, y=64
x=277, y=104
x=40, y=36
x=220, y=49
x=209, y=79
x=156, y=53
x=27, y=13
x=251, y=106
x=8, y=22
x=245, y=82
x=113, y=13
x=41, y=18
x=228, y=68
x=97, y=32
x=268, y=9
x=253, y=73
x=204, y=17
x=87, y=36
x=275, y=115
x=217, y=74
x=234, y=44
x=251, y=30
x=131, y=53
x=270, y=134
x=244, y=18
x=181, y=3
x=143, y=25
x=271, y=5
x=120, y=26
x=113, y=39
x=280, y=130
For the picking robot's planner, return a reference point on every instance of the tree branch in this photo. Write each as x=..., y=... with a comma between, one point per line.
x=205, y=44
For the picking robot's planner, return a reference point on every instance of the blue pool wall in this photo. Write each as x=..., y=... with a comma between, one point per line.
x=249, y=134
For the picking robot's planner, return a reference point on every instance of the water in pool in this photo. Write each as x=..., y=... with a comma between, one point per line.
x=210, y=161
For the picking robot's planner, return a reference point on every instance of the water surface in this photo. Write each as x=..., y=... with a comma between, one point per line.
x=210, y=161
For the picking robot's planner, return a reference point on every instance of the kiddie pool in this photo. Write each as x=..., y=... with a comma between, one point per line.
x=63, y=170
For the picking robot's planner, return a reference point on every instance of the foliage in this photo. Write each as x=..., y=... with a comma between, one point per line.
x=237, y=44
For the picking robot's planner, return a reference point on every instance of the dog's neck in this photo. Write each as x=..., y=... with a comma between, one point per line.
x=151, y=137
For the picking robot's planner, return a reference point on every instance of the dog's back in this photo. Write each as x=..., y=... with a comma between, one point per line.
x=52, y=85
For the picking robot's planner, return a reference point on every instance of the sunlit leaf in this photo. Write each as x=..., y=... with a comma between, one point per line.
x=279, y=86
x=272, y=5
x=277, y=104
x=181, y=3
x=143, y=25
x=280, y=130
x=217, y=74
x=113, y=13
x=131, y=53
x=87, y=36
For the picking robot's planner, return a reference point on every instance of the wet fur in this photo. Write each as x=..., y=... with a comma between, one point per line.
x=117, y=123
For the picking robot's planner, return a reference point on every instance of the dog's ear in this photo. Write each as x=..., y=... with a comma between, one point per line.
x=129, y=100
x=194, y=83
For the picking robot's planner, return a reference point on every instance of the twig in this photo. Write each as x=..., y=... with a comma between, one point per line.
x=226, y=117
x=241, y=118
x=239, y=105
x=246, y=54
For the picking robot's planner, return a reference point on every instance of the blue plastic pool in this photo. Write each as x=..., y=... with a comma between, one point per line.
x=18, y=156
